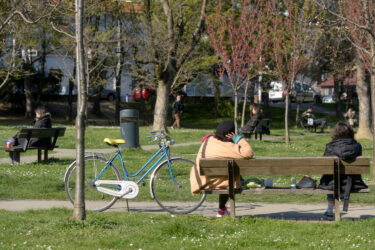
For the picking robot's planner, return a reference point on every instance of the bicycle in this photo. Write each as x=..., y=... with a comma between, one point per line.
x=169, y=182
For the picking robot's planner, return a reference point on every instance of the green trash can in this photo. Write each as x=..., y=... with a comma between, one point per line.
x=129, y=127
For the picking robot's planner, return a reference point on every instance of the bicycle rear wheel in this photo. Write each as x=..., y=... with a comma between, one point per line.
x=175, y=195
x=94, y=200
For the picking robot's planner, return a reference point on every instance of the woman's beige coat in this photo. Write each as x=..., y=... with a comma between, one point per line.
x=214, y=148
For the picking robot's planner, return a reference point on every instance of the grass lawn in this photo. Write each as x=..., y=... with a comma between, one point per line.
x=45, y=180
x=50, y=229
x=54, y=229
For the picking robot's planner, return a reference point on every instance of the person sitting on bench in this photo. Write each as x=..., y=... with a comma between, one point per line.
x=224, y=144
x=345, y=147
x=255, y=116
x=351, y=117
x=316, y=122
x=42, y=120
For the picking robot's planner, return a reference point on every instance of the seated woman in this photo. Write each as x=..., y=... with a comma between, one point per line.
x=351, y=117
x=345, y=147
x=255, y=116
x=224, y=144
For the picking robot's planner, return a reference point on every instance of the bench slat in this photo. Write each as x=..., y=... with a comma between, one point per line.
x=279, y=191
x=269, y=166
x=40, y=132
x=359, y=161
x=284, y=165
x=269, y=170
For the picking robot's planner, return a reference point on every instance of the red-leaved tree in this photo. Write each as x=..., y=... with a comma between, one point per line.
x=239, y=36
x=291, y=36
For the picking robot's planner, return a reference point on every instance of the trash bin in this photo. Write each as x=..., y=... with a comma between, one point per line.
x=129, y=127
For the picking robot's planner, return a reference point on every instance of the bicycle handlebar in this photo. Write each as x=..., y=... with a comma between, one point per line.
x=161, y=137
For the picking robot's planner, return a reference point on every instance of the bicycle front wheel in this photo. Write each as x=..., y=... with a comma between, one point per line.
x=94, y=200
x=171, y=189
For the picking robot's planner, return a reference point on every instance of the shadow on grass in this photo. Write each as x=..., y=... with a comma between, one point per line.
x=305, y=216
x=54, y=161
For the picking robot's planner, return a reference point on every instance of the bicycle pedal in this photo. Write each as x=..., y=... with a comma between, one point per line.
x=143, y=183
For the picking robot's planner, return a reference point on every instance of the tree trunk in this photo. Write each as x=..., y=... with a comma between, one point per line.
x=69, y=116
x=42, y=72
x=244, y=104
x=235, y=111
x=161, y=106
x=372, y=44
x=364, y=125
x=96, y=104
x=287, y=106
x=79, y=201
x=336, y=87
x=118, y=72
x=28, y=93
x=217, y=96
x=297, y=113
x=266, y=106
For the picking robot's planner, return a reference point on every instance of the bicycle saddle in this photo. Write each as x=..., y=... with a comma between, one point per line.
x=114, y=142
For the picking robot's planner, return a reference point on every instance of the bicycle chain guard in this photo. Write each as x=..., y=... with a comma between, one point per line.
x=129, y=189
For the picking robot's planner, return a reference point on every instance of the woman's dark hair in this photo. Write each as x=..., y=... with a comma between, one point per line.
x=343, y=130
x=224, y=128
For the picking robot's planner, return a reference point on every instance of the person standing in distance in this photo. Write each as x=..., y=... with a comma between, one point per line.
x=177, y=110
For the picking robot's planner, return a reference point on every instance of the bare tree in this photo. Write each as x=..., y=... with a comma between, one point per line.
x=79, y=201
x=19, y=12
x=171, y=36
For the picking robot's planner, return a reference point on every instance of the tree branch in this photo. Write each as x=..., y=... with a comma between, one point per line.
x=61, y=31
x=368, y=29
x=10, y=71
x=196, y=35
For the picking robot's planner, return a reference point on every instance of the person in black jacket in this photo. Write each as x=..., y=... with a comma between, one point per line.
x=254, y=125
x=42, y=120
x=177, y=110
x=345, y=147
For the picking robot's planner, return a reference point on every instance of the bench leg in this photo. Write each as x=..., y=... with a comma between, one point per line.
x=45, y=155
x=260, y=136
x=39, y=155
x=231, y=189
x=14, y=157
x=336, y=189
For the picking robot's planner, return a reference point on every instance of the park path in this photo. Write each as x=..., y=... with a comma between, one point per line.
x=298, y=212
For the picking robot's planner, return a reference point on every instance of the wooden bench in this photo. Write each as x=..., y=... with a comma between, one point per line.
x=282, y=166
x=39, y=133
x=261, y=123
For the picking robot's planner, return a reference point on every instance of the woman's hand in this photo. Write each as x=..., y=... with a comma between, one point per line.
x=229, y=136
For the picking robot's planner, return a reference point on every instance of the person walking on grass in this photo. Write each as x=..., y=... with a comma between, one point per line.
x=177, y=110
x=345, y=147
x=224, y=144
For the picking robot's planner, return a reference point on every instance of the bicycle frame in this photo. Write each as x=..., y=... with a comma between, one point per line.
x=163, y=152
